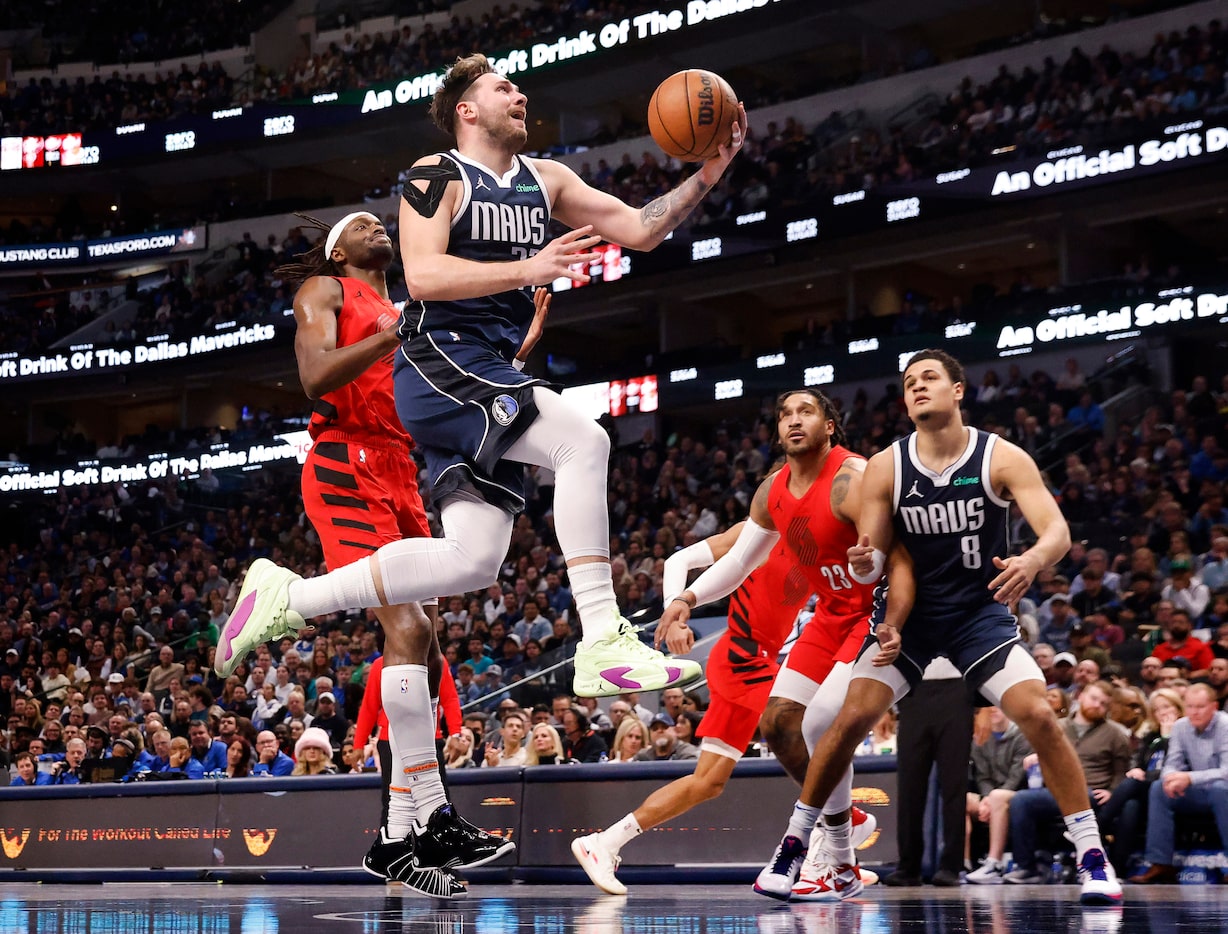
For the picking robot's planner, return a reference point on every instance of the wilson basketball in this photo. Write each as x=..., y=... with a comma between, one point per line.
x=691, y=114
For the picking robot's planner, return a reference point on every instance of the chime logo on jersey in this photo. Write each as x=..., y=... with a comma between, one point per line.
x=507, y=223
x=504, y=409
x=945, y=518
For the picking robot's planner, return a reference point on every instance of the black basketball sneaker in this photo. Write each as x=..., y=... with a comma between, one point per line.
x=393, y=860
x=451, y=842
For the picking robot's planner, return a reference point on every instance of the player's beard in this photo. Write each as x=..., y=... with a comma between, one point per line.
x=505, y=134
x=808, y=445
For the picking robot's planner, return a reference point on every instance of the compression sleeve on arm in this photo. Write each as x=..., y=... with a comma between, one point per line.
x=748, y=552
x=673, y=578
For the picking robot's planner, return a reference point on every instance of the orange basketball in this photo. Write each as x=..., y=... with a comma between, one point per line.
x=691, y=114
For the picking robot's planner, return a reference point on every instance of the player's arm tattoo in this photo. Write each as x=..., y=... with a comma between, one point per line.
x=840, y=489
x=668, y=211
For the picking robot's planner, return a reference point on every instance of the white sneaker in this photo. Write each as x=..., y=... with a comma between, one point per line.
x=598, y=862
x=864, y=825
x=261, y=614
x=827, y=882
x=621, y=662
x=777, y=877
x=990, y=873
x=1098, y=879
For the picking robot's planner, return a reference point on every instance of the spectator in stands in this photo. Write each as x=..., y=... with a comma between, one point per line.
x=1124, y=815
x=68, y=771
x=208, y=755
x=313, y=753
x=269, y=759
x=329, y=719
x=238, y=758
x=580, y=741
x=513, y=750
x=1194, y=780
x=27, y=772
x=1186, y=591
x=630, y=739
x=1181, y=643
x=664, y=745
x=458, y=750
x=159, y=680
x=545, y=747
x=997, y=772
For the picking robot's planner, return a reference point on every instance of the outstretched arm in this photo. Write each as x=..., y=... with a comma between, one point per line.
x=700, y=555
x=1016, y=474
x=752, y=547
x=576, y=203
x=322, y=365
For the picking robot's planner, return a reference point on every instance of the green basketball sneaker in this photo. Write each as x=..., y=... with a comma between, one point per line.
x=261, y=614
x=621, y=662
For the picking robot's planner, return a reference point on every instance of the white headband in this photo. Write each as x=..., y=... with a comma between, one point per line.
x=334, y=234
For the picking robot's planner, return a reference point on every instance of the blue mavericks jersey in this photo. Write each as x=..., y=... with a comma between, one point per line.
x=953, y=525
x=500, y=219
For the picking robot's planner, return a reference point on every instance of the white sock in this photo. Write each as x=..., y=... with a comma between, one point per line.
x=1084, y=832
x=838, y=841
x=411, y=732
x=592, y=586
x=351, y=587
x=616, y=836
x=802, y=820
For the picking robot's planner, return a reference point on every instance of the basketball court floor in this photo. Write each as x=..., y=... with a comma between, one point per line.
x=201, y=908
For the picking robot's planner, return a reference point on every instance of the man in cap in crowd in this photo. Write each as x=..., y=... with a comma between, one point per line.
x=663, y=744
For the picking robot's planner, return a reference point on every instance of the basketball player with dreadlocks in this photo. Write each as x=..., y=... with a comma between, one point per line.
x=810, y=508
x=360, y=490
x=473, y=227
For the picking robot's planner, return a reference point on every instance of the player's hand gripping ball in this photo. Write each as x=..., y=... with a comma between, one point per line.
x=691, y=114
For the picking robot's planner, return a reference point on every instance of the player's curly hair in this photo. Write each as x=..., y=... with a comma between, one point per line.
x=955, y=369
x=313, y=262
x=829, y=409
x=456, y=83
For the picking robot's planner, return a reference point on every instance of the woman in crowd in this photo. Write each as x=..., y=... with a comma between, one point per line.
x=458, y=750
x=238, y=758
x=313, y=753
x=686, y=725
x=1124, y=815
x=630, y=739
x=545, y=747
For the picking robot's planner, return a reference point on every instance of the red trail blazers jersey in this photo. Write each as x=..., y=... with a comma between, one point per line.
x=818, y=541
x=365, y=406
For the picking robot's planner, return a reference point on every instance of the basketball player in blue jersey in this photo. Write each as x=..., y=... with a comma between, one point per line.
x=473, y=242
x=944, y=492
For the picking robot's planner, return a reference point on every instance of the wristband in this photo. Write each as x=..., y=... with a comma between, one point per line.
x=518, y=363
x=681, y=598
x=876, y=572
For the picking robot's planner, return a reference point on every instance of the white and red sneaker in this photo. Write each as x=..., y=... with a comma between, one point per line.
x=864, y=825
x=827, y=882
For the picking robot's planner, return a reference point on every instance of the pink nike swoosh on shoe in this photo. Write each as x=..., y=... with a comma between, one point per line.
x=234, y=625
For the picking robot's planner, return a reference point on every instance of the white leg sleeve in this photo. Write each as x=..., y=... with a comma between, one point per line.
x=476, y=536
x=578, y=451
x=820, y=715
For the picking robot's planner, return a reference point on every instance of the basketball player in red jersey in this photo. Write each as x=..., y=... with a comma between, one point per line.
x=360, y=490
x=741, y=668
x=812, y=503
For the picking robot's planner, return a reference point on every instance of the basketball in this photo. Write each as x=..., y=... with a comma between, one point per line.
x=691, y=114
